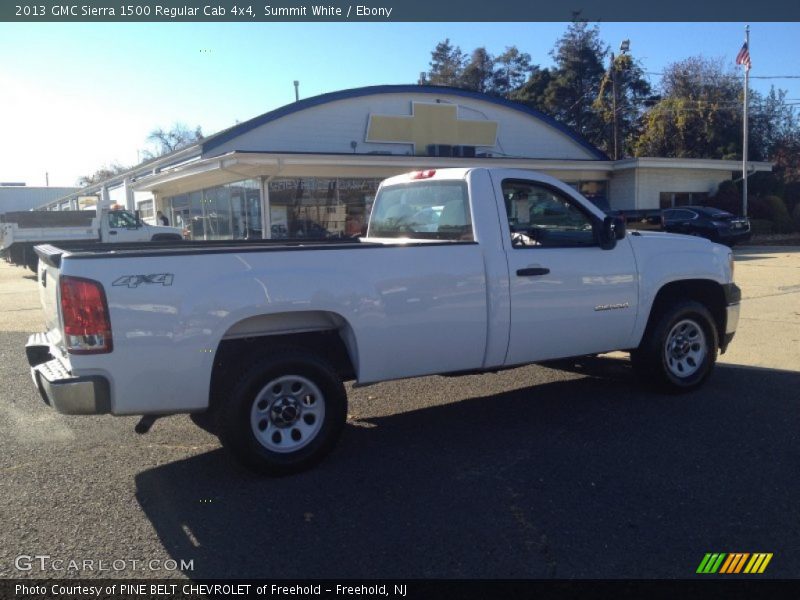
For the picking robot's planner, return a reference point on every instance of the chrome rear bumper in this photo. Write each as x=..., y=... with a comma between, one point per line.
x=60, y=389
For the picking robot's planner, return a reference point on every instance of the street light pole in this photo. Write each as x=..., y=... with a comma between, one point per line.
x=614, y=106
x=745, y=125
x=623, y=49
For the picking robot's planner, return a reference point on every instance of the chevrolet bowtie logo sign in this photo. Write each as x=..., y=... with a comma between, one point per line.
x=736, y=562
x=431, y=124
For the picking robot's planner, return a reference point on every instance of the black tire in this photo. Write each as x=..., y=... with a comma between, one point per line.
x=677, y=327
x=282, y=446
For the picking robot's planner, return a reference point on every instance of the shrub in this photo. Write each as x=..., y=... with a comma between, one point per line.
x=760, y=226
x=792, y=196
x=796, y=217
x=776, y=212
x=728, y=197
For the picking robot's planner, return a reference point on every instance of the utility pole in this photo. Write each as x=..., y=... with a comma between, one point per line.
x=615, y=100
x=744, y=134
x=615, y=134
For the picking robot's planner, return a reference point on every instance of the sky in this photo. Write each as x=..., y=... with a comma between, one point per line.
x=76, y=97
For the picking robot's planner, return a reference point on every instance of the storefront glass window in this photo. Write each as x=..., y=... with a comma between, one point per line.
x=299, y=207
x=320, y=207
x=224, y=212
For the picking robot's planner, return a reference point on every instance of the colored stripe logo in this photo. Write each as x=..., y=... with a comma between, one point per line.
x=733, y=563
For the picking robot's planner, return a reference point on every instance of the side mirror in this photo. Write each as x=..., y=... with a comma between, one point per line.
x=611, y=230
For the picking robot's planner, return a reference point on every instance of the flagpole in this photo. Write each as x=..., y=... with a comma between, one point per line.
x=744, y=135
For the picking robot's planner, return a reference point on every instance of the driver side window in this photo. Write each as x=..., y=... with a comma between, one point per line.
x=118, y=219
x=541, y=217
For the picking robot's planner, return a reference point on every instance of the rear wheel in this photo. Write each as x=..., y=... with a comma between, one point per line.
x=284, y=413
x=679, y=348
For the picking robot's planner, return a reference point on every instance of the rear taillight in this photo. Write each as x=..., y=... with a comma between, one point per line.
x=87, y=328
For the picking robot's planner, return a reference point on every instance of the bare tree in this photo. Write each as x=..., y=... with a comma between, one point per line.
x=166, y=141
x=103, y=173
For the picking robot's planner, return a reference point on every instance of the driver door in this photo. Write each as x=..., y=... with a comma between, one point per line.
x=569, y=297
x=123, y=227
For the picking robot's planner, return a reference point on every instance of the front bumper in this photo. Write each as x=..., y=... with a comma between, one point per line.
x=60, y=389
x=733, y=298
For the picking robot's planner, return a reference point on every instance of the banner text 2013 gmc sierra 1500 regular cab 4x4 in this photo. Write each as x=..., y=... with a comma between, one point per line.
x=461, y=271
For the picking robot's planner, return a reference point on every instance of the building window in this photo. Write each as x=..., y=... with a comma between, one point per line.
x=224, y=212
x=320, y=207
x=299, y=207
x=145, y=209
x=673, y=199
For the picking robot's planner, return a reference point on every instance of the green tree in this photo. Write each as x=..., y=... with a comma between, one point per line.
x=511, y=70
x=624, y=94
x=533, y=92
x=478, y=72
x=698, y=116
x=576, y=79
x=446, y=66
x=775, y=134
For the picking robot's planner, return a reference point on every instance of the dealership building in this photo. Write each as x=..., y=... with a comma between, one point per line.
x=315, y=165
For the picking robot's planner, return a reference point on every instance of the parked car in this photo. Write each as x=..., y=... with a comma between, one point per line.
x=711, y=223
x=635, y=219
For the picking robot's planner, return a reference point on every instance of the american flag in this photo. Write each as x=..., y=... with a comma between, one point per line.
x=743, y=58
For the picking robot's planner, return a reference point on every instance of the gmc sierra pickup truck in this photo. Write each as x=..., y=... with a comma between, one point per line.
x=461, y=271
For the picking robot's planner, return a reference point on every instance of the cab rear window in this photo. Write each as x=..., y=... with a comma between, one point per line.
x=437, y=210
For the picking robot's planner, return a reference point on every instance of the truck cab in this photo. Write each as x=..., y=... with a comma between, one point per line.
x=123, y=226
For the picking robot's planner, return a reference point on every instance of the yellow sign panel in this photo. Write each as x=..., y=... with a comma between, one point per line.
x=87, y=202
x=431, y=124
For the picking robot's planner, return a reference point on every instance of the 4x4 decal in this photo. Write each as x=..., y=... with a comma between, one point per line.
x=133, y=281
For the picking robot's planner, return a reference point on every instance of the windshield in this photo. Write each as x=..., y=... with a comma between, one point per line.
x=437, y=210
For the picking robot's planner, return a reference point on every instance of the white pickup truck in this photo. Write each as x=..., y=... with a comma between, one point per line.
x=461, y=271
x=21, y=231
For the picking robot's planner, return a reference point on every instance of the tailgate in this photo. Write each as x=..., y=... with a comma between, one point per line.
x=47, y=276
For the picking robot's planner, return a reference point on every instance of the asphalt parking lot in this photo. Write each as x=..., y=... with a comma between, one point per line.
x=530, y=473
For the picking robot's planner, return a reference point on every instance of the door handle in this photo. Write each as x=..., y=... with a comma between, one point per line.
x=532, y=271
x=112, y=233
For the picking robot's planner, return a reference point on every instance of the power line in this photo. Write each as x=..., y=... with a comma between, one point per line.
x=731, y=76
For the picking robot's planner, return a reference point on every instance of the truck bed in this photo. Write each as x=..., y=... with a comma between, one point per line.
x=52, y=254
x=32, y=219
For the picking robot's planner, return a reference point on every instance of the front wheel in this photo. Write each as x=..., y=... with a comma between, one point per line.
x=284, y=413
x=679, y=348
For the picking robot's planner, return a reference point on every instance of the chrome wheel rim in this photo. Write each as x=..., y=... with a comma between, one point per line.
x=685, y=348
x=287, y=413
